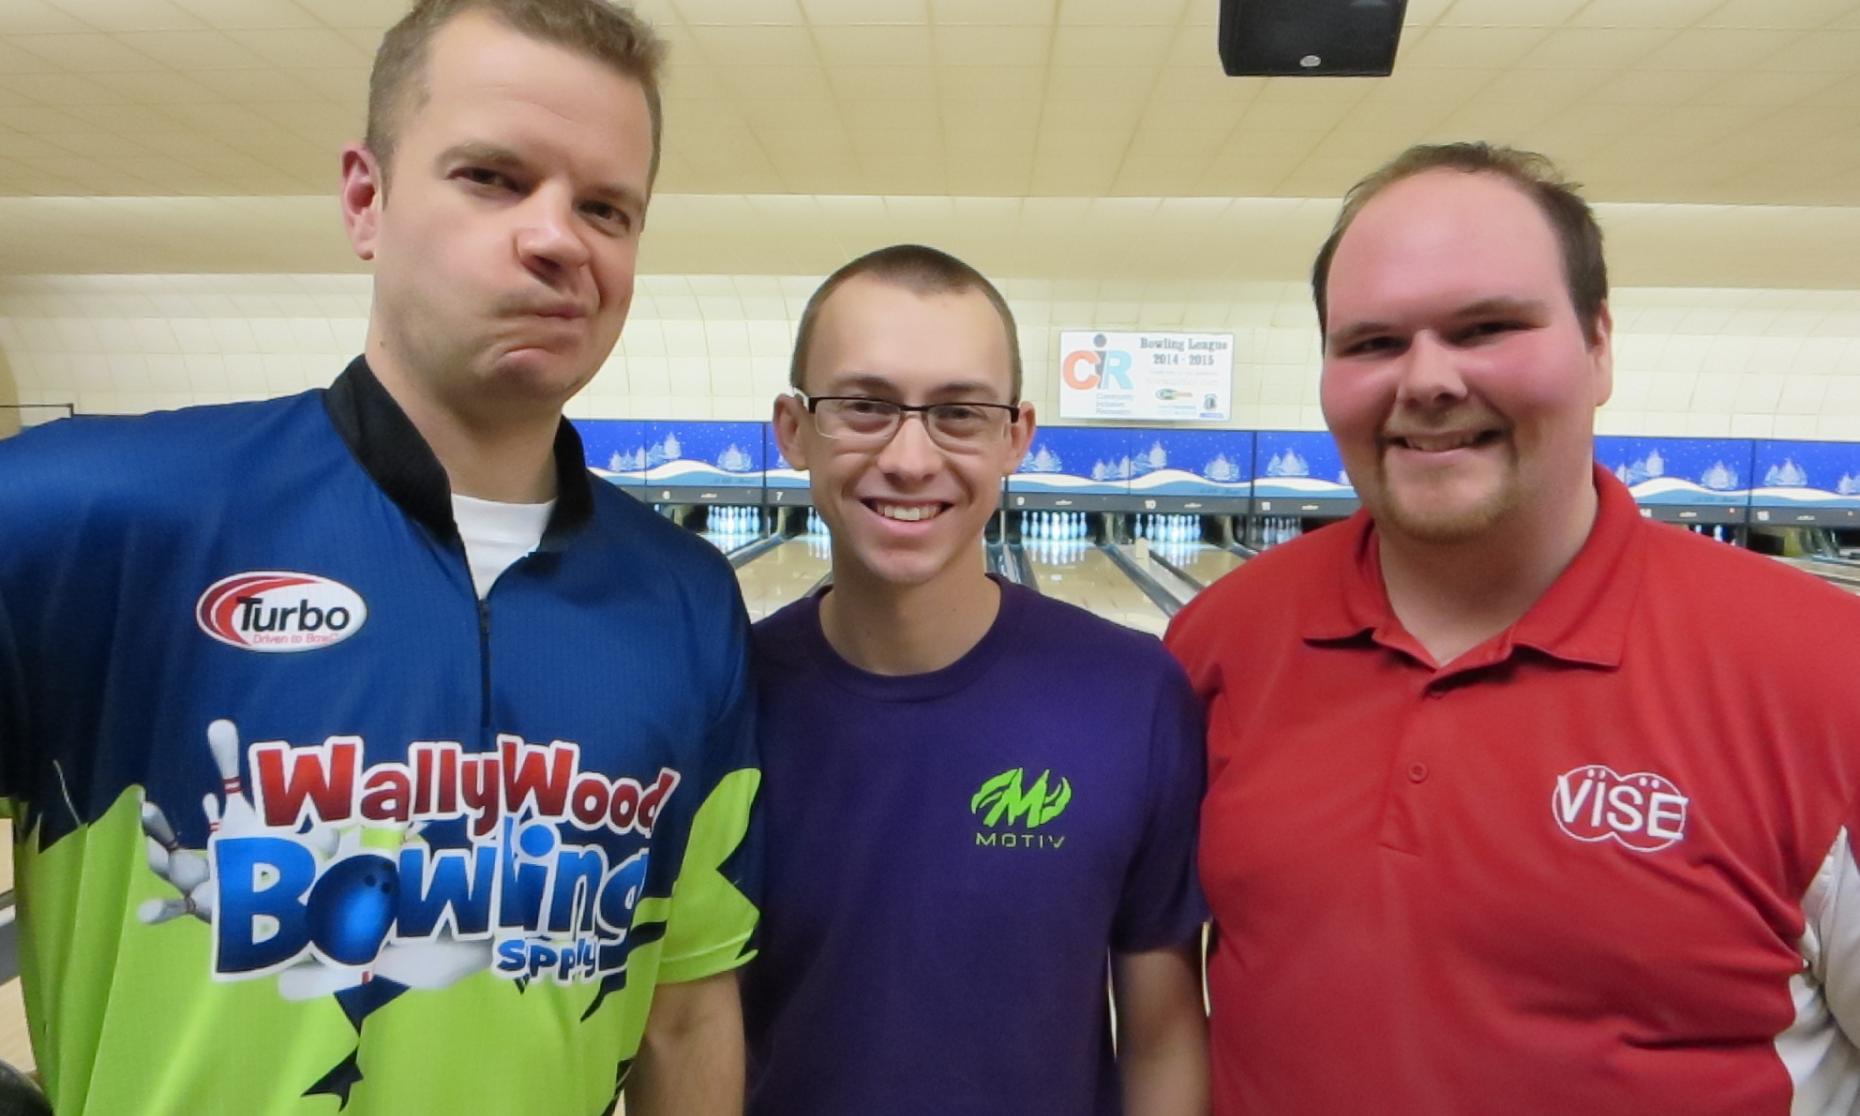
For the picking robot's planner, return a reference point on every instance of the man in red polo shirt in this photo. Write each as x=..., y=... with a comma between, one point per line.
x=1518, y=802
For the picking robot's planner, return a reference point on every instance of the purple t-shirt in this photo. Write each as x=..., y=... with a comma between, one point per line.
x=949, y=857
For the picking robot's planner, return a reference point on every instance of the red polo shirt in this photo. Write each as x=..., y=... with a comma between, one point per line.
x=1598, y=864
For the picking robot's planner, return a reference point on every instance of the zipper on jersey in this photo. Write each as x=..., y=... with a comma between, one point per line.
x=484, y=667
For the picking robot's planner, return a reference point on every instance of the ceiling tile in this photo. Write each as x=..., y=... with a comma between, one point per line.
x=740, y=12
x=786, y=82
x=1009, y=13
x=1469, y=47
x=873, y=46
x=823, y=13
x=230, y=15
x=36, y=17
x=1716, y=49
x=1509, y=13
x=1122, y=48
x=306, y=48
x=371, y=14
x=1799, y=14
x=1818, y=50
x=193, y=50
x=991, y=46
x=87, y=53
x=1592, y=48
x=1015, y=84
x=756, y=46
x=1643, y=13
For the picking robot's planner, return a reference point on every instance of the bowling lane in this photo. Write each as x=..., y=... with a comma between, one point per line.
x=1078, y=573
x=1838, y=574
x=1205, y=563
x=781, y=575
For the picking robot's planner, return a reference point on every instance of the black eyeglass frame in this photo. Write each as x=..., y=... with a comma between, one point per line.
x=813, y=402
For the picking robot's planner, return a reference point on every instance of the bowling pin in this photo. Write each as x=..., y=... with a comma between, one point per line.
x=237, y=818
x=184, y=868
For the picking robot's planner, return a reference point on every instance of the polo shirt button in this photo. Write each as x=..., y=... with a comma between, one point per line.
x=1417, y=773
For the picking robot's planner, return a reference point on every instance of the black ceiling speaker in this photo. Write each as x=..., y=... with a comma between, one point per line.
x=1314, y=38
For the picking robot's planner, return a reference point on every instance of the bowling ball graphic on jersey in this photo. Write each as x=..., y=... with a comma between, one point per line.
x=352, y=908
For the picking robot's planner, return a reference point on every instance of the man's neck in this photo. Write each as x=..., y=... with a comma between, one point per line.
x=506, y=455
x=887, y=629
x=1451, y=597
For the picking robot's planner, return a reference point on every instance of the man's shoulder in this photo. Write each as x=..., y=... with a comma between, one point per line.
x=642, y=535
x=143, y=461
x=1272, y=583
x=1690, y=572
x=1065, y=630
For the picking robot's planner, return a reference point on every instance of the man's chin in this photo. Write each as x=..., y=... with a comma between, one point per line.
x=1442, y=521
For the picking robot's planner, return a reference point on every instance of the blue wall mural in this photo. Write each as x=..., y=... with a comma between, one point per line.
x=1299, y=464
x=1076, y=460
x=1806, y=474
x=1699, y=471
x=1191, y=463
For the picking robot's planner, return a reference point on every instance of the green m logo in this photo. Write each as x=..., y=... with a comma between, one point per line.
x=1034, y=805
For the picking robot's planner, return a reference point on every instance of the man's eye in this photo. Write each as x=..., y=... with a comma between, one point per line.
x=865, y=407
x=610, y=215
x=484, y=176
x=1484, y=330
x=1369, y=345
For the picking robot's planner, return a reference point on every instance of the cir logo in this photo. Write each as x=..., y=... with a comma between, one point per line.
x=280, y=611
x=1643, y=811
x=1085, y=369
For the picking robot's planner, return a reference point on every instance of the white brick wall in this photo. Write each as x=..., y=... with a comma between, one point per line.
x=1704, y=362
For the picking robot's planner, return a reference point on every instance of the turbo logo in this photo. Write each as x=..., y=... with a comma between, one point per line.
x=279, y=611
x=1643, y=811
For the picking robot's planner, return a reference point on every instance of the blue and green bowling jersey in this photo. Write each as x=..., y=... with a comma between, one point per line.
x=305, y=827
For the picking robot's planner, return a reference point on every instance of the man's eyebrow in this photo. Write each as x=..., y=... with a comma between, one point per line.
x=478, y=151
x=877, y=384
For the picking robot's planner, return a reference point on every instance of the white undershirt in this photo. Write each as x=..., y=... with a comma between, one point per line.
x=496, y=535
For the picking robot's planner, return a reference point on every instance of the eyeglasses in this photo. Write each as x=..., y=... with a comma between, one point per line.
x=859, y=420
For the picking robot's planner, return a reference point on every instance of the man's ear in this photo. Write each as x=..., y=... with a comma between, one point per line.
x=1020, y=437
x=789, y=414
x=1602, y=354
x=364, y=192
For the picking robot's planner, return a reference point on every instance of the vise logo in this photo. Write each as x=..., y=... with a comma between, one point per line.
x=1644, y=811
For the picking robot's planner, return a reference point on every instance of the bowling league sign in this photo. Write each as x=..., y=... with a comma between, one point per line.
x=1174, y=377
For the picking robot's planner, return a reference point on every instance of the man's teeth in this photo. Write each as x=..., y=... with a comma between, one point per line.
x=1438, y=443
x=909, y=513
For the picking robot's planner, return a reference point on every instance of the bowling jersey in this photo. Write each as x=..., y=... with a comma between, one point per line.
x=958, y=852
x=1600, y=863
x=304, y=825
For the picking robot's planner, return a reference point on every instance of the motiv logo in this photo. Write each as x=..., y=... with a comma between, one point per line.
x=1644, y=811
x=1007, y=802
x=280, y=611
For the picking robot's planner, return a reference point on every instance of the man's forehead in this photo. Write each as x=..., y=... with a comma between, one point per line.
x=1447, y=227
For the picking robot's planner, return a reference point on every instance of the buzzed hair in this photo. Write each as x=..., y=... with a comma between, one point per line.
x=1585, y=272
x=921, y=270
x=606, y=32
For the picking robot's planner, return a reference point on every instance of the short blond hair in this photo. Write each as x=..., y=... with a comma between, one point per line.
x=608, y=33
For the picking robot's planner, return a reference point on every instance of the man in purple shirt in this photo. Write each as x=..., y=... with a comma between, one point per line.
x=977, y=799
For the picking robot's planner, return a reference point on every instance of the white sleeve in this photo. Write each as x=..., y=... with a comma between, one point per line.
x=1818, y=1045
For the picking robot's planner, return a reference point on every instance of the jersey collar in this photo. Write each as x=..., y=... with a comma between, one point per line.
x=1582, y=618
x=390, y=448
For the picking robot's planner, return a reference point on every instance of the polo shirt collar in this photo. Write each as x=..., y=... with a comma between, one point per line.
x=391, y=450
x=1582, y=618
